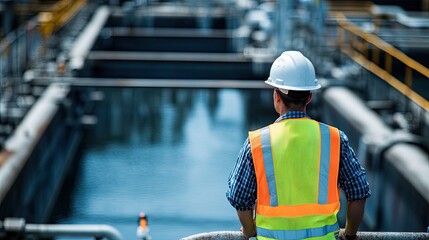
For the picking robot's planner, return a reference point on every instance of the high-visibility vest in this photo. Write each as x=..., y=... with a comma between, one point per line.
x=296, y=165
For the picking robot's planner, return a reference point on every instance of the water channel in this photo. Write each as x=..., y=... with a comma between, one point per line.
x=166, y=152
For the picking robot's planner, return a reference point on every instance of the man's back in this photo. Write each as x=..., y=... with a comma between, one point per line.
x=293, y=184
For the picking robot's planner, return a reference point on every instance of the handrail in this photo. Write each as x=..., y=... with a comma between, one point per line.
x=387, y=77
x=98, y=231
x=360, y=55
x=58, y=15
x=84, y=42
x=219, y=235
x=236, y=235
x=382, y=45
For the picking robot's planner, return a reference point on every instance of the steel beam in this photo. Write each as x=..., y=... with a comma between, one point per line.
x=167, y=56
x=153, y=83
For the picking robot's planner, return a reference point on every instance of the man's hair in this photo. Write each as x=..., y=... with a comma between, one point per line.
x=294, y=97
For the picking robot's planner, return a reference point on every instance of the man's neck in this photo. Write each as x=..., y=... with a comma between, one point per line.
x=286, y=110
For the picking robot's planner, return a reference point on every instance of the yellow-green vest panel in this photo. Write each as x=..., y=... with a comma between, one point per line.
x=296, y=164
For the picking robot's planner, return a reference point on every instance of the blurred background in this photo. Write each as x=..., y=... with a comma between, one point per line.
x=113, y=108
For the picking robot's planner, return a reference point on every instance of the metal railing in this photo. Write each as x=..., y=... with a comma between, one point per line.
x=365, y=49
x=22, y=46
x=18, y=226
x=58, y=15
x=18, y=49
x=235, y=235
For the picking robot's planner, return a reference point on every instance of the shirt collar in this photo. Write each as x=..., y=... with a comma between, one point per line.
x=292, y=114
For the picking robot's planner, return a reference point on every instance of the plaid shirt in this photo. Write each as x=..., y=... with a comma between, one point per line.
x=241, y=191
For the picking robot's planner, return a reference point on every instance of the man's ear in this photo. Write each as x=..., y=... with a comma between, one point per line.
x=277, y=97
x=309, y=98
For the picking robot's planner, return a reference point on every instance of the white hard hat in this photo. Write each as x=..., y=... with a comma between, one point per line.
x=293, y=71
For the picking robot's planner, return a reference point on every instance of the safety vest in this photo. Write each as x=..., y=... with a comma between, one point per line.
x=296, y=164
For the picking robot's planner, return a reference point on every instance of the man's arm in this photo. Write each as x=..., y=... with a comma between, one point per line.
x=248, y=223
x=241, y=191
x=352, y=180
x=355, y=210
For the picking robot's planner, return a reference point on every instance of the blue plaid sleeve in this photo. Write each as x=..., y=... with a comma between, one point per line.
x=241, y=191
x=352, y=176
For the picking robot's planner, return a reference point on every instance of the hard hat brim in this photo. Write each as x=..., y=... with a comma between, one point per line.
x=306, y=88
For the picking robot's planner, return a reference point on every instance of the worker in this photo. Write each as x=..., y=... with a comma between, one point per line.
x=287, y=178
x=143, y=228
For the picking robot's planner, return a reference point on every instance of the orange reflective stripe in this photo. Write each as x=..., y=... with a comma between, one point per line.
x=333, y=190
x=263, y=195
x=298, y=210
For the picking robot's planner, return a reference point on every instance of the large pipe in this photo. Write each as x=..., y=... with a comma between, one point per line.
x=396, y=163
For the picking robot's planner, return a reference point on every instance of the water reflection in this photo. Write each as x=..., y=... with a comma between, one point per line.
x=167, y=152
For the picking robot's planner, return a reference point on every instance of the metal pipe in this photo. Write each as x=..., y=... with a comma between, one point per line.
x=392, y=235
x=71, y=230
x=86, y=39
x=150, y=83
x=221, y=235
x=235, y=235
x=409, y=161
x=283, y=25
x=18, y=225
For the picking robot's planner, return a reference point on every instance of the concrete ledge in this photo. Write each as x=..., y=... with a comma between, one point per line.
x=19, y=146
x=86, y=39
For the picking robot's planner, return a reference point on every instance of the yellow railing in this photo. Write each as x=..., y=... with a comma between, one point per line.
x=58, y=15
x=357, y=43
